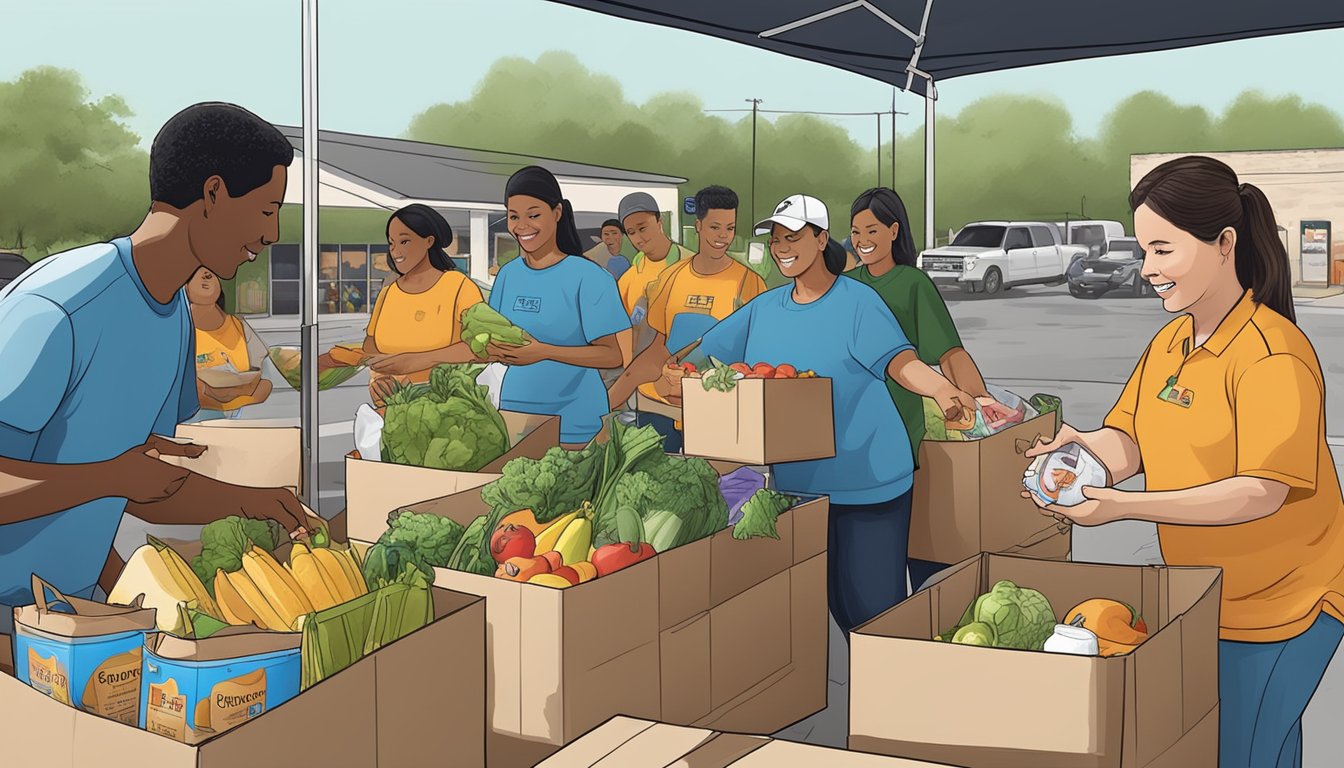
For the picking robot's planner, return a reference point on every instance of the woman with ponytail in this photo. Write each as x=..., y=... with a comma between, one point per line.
x=567, y=305
x=416, y=322
x=840, y=329
x=1225, y=417
x=880, y=235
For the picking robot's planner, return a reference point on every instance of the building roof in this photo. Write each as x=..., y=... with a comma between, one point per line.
x=424, y=171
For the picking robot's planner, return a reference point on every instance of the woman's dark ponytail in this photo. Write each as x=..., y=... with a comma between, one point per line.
x=1203, y=196
x=835, y=256
x=567, y=232
x=1262, y=262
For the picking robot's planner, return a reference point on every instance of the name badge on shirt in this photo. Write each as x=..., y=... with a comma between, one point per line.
x=1175, y=393
x=530, y=304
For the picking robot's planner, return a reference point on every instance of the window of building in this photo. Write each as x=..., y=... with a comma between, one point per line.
x=286, y=279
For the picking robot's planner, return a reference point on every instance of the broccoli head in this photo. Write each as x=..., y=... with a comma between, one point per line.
x=224, y=541
x=433, y=537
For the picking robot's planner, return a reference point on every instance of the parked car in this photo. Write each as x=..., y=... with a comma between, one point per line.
x=1120, y=266
x=1093, y=234
x=991, y=256
x=11, y=266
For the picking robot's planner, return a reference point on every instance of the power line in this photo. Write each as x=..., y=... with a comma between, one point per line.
x=809, y=112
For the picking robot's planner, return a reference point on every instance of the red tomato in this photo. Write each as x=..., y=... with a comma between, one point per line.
x=741, y=368
x=786, y=371
x=688, y=367
x=764, y=370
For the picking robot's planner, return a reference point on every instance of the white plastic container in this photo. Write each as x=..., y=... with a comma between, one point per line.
x=1072, y=640
x=1059, y=477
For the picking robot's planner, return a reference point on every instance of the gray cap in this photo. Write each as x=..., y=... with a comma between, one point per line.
x=637, y=202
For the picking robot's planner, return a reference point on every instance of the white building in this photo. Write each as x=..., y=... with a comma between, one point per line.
x=375, y=174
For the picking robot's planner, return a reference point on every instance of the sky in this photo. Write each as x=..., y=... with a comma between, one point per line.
x=382, y=63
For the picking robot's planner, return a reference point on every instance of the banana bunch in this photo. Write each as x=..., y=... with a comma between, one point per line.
x=164, y=578
x=327, y=577
x=261, y=593
x=570, y=535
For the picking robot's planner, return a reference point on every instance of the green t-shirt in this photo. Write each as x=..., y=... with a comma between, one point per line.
x=922, y=313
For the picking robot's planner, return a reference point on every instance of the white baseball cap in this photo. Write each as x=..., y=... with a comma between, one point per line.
x=796, y=212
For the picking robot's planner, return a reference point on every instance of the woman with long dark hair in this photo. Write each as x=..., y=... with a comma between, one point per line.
x=417, y=320
x=222, y=341
x=880, y=235
x=568, y=305
x=1225, y=417
x=840, y=329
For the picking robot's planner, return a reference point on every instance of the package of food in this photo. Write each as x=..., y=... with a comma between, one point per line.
x=194, y=689
x=1059, y=477
x=1022, y=411
x=82, y=653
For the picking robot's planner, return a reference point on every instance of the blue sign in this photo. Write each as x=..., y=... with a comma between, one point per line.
x=688, y=205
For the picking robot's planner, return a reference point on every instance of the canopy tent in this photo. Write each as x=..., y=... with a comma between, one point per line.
x=914, y=44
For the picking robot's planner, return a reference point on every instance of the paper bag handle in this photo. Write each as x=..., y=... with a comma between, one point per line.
x=41, y=587
x=1022, y=446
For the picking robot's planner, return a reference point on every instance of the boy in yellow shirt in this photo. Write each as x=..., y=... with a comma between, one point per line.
x=639, y=215
x=688, y=299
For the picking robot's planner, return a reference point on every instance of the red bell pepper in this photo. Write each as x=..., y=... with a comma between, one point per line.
x=613, y=557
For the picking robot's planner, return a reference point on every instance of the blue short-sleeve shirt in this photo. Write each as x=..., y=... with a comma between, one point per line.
x=90, y=366
x=572, y=303
x=849, y=336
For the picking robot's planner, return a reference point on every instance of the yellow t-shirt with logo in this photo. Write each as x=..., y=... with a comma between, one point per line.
x=1249, y=402
x=639, y=279
x=682, y=290
x=420, y=322
x=225, y=344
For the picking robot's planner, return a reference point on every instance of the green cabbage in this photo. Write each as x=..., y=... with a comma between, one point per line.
x=1019, y=617
x=451, y=424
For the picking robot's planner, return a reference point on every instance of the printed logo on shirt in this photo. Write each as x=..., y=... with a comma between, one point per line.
x=531, y=304
x=204, y=358
x=705, y=303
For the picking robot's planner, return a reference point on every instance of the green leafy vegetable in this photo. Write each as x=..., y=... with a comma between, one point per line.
x=482, y=325
x=224, y=541
x=719, y=377
x=1015, y=617
x=472, y=553
x=433, y=537
x=760, y=513
x=556, y=484
x=386, y=560
x=451, y=424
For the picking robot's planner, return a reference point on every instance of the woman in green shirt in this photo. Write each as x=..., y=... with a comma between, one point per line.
x=880, y=234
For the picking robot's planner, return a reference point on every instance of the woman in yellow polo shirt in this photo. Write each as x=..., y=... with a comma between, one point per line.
x=417, y=321
x=223, y=340
x=1225, y=417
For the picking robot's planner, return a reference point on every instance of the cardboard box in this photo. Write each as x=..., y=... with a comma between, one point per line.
x=761, y=421
x=626, y=742
x=410, y=703
x=968, y=498
x=997, y=708
x=720, y=632
x=263, y=454
x=374, y=488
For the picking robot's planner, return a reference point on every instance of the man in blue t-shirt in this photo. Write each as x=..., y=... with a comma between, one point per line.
x=97, y=361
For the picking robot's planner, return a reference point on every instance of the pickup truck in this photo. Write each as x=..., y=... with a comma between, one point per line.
x=990, y=256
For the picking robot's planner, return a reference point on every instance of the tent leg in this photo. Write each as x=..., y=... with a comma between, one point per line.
x=308, y=418
x=930, y=237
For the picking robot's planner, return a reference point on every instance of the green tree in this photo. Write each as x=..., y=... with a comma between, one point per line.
x=70, y=171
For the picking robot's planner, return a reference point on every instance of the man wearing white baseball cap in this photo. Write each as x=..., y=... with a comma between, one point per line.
x=841, y=329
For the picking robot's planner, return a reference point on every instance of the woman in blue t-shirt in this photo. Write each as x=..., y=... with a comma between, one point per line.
x=841, y=329
x=567, y=304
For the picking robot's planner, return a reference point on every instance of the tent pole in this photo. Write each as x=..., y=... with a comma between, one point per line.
x=893, y=138
x=930, y=96
x=308, y=418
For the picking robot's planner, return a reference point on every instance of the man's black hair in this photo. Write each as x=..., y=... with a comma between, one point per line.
x=613, y=223
x=214, y=139
x=714, y=198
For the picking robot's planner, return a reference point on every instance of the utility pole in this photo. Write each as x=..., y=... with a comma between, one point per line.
x=893, y=138
x=1082, y=210
x=755, y=103
x=878, y=115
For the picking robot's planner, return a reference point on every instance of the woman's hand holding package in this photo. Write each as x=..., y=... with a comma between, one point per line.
x=955, y=404
x=1102, y=506
x=1066, y=435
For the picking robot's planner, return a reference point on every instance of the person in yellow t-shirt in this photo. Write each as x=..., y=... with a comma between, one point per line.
x=1225, y=418
x=642, y=220
x=686, y=301
x=223, y=340
x=417, y=320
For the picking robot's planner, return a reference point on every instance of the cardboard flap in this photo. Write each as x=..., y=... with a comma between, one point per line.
x=230, y=643
x=723, y=750
x=244, y=453
x=597, y=743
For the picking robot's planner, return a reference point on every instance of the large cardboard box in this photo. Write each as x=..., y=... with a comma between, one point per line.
x=761, y=421
x=967, y=499
x=719, y=633
x=263, y=454
x=995, y=708
x=626, y=742
x=413, y=702
x=374, y=488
